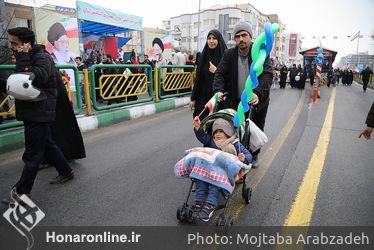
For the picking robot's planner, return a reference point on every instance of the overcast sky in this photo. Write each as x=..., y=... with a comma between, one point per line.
x=310, y=18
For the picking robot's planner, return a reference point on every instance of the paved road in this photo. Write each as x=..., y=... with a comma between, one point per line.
x=127, y=177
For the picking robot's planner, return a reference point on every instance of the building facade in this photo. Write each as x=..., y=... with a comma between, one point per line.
x=185, y=28
x=19, y=16
x=279, y=46
x=293, y=46
x=358, y=60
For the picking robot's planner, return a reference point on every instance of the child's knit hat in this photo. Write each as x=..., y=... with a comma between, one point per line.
x=224, y=125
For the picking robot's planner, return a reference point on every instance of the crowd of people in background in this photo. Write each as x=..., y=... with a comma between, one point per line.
x=296, y=76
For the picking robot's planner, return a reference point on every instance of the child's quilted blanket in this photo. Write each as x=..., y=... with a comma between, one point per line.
x=211, y=165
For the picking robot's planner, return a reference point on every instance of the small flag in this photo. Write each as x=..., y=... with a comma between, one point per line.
x=211, y=105
x=356, y=36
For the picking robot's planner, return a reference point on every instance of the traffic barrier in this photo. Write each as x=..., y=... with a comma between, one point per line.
x=121, y=88
x=174, y=84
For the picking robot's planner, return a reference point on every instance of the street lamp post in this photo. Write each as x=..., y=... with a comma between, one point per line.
x=189, y=38
x=198, y=27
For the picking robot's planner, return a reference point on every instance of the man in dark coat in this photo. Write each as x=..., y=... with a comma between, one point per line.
x=38, y=114
x=366, y=73
x=369, y=123
x=232, y=73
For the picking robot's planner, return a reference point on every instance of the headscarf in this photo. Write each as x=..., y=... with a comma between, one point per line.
x=204, y=78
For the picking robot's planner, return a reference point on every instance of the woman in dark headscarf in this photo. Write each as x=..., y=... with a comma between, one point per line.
x=207, y=66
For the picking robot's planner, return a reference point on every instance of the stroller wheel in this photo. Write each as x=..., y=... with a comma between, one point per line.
x=229, y=222
x=247, y=195
x=221, y=220
x=189, y=216
x=181, y=213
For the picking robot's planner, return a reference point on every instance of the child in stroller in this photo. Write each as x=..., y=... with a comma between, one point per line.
x=223, y=137
x=216, y=132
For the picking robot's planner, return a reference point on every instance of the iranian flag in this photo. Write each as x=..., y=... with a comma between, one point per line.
x=212, y=104
x=356, y=36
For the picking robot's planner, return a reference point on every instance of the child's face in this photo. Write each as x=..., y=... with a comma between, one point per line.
x=219, y=134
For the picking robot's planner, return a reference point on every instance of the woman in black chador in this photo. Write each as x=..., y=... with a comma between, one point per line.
x=65, y=130
x=283, y=77
x=207, y=66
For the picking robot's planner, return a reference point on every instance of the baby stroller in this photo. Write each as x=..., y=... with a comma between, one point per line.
x=185, y=212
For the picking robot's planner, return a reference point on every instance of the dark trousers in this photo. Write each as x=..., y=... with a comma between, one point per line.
x=38, y=143
x=258, y=117
x=365, y=84
x=311, y=81
x=282, y=84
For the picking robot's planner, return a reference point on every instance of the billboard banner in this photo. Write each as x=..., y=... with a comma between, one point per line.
x=93, y=13
x=59, y=34
x=154, y=42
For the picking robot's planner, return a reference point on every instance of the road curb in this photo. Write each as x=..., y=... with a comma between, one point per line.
x=14, y=138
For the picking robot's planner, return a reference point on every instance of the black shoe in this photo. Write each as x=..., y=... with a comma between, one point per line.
x=61, y=179
x=9, y=200
x=206, y=212
x=255, y=162
x=196, y=208
x=240, y=181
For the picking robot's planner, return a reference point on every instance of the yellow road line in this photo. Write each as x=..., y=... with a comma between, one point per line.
x=256, y=175
x=302, y=208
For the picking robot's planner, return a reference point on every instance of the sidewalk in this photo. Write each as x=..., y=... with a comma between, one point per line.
x=13, y=138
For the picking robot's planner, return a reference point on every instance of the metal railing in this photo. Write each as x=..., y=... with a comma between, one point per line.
x=174, y=84
x=125, y=88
